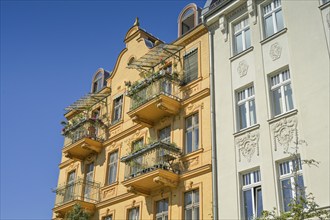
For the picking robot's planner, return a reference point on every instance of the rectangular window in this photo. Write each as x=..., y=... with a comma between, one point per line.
x=190, y=61
x=165, y=134
x=252, y=196
x=273, y=18
x=112, y=169
x=89, y=176
x=133, y=214
x=69, y=192
x=162, y=209
x=246, y=108
x=291, y=182
x=281, y=93
x=117, y=109
x=191, y=205
x=136, y=166
x=242, y=37
x=192, y=133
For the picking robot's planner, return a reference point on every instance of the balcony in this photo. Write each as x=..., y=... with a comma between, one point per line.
x=152, y=167
x=154, y=98
x=86, y=193
x=83, y=137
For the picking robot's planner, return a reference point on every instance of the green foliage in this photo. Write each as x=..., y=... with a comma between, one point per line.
x=77, y=213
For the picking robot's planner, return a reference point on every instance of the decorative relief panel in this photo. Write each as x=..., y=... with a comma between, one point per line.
x=242, y=68
x=275, y=51
x=193, y=107
x=116, y=131
x=248, y=145
x=189, y=164
x=189, y=92
x=284, y=133
x=108, y=193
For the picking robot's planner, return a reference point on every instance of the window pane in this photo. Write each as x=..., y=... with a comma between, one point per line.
x=196, y=213
x=196, y=194
x=277, y=99
x=188, y=214
x=287, y=193
x=238, y=43
x=279, y=20
x=196, y=139
x=188, y=198
x=269, y=28
x=252, y=109
x=191, y=66
x=242, y=116
x=259, y=202
x=301, y=187
x=248, y=208
x=288, y=97
x=189, y=142
x=247, y=39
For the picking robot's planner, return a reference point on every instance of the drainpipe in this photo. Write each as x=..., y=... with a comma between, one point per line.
x=213, y=126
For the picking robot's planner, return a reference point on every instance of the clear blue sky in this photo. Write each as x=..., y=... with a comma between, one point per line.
x=49, y=52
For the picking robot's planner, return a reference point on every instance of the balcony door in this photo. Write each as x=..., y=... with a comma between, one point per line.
x=69, y=192
x=89, y=182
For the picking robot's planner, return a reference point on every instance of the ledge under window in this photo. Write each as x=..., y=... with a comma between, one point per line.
x=284, y=30
x=245, y=130
x=240, y=54
x=283, y=115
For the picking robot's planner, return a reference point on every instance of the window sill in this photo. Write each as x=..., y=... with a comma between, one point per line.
x=115, y=123
x=191, y=154
x=245, y=130
x=283, y=115
x=183, y=87
x=105, y=187
x=323, y=6
x=240, y=54
x=271, y=37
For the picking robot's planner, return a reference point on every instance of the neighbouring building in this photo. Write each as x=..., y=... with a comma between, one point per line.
x=138, y=145
x=270, y=61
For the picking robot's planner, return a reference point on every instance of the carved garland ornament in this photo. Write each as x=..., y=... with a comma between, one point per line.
x=247, y=145
x=242, y=68
x=284, y=132
x=275, y=51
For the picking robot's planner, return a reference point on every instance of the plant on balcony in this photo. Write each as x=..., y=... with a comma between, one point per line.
x=77, y=213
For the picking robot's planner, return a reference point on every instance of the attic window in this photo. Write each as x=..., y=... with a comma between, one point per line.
x=187, y=21
x=99, y=81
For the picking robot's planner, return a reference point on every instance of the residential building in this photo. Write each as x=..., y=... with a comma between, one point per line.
x=270, y=62
x=138, y=145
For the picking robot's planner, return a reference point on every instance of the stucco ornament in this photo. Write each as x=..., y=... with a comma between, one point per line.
x=285, y=132
x=242, y=68
x=247, y=145
x=275, y=51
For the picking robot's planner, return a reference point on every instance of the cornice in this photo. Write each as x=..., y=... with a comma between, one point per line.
x=198, y=171
x=205, y=92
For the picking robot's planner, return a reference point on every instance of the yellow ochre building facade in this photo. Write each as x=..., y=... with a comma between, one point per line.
x=138, y=146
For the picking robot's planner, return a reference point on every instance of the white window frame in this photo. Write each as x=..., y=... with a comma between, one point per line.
x=194, y=204
x=136, y=214
x=192, y=130
x=161, y=215
x=117, y=107
x=245, y=97
x=251, y=182
x=244, y=27
x=286, y=172
x=284, y=79
x=113, y=162
x=272, y=13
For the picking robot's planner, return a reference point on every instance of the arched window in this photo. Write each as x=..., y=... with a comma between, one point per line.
x=188, y=19
x=98, y=82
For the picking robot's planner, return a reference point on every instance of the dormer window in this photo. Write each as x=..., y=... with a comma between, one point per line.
x=99, y=80
x=188, y=19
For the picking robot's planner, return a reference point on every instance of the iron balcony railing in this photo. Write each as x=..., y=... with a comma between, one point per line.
x=152, y=87
x=86, y=128
x=80, y=189
x=158, y=155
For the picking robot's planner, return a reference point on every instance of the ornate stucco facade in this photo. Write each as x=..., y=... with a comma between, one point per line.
x=271, y=69
x=138, y=146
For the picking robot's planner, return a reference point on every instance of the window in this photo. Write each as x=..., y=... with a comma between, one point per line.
x=96, y=113
x=291, y=181
x=187, y=21
x=137, y=162
x=109, y=217
x=98, y=82
x=191, y=205
x=242, y=39
x=252, y=196
x=281, y=93
x=273, y=18
x=324, y=1
x=117, y=109
x=133, y=214
x=112, y=169
x=192, y=133
x=162, y=209
x=89, y=176
x=69, y=192
x=246, y=108
x=190, y=66
x=165, y=134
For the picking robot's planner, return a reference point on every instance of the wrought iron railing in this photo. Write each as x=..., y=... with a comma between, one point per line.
x=80, y=189
x=87, y=128
x=150, y=88
x=158, y=155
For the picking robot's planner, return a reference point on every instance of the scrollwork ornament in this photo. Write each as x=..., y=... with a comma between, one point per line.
x=247, y=145
x=275, y=51
x=284, y=133
x=242, y=68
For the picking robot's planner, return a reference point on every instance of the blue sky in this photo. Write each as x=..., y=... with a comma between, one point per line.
x=49, y=52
